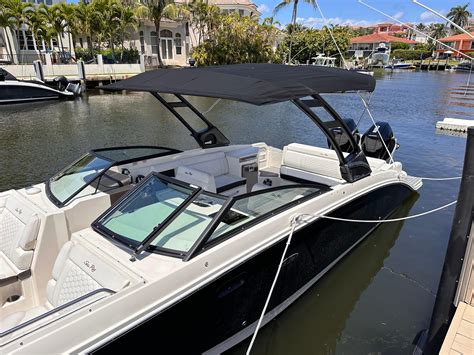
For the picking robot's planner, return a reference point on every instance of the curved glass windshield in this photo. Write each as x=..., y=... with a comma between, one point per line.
x=76, y=177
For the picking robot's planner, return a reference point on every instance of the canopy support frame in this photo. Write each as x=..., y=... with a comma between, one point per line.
x=354, y=166
x=209, y=137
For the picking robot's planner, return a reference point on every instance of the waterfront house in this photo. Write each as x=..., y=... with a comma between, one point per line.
x=175, y=40
x=461, y=42
x=364, y=46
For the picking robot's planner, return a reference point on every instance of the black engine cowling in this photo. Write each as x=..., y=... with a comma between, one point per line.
x=372, y=144
x=341, y=137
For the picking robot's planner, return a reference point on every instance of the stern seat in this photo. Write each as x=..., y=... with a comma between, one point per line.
x=211, y=172
x=77, y=271
x=19, y=228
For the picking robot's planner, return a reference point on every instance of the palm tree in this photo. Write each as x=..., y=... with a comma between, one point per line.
x=438, y=30
x=421, y=27
x=127, y=21
x=155, y=11
x=16, y=9
x=7, y=22
x=285, y=3
x=34, y=19
x=459, y=15
x=69, y=13
x=84, y=13
x=56, y=22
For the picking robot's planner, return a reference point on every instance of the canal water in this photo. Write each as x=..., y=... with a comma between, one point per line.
x=375, y=300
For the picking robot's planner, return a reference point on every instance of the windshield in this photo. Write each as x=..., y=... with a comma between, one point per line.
x=171, y=216
x=142, y=213
x=77, y=176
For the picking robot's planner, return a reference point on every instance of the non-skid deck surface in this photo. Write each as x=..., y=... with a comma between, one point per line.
x=460, y=337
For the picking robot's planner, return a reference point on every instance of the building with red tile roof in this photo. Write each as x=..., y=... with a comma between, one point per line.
x=462, y=42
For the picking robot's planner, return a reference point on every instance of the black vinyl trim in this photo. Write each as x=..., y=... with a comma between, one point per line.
x=302, y=181
x=231, y=185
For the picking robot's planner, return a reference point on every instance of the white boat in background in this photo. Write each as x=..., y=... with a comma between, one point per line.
x=13, y=90
x=323, y=61
x=380, y=57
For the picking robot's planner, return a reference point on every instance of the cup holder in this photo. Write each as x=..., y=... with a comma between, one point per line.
x=13, y=298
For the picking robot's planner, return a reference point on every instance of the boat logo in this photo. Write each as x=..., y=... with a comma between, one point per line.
x=18, y=210
x=89, y=265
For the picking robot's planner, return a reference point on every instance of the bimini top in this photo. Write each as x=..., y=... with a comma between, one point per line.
x=257, y=84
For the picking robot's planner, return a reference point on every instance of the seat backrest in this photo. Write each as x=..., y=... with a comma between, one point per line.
x=78, y=271
x=312, y=159
x=212, y=163
x=19, y=227
x=196, y=177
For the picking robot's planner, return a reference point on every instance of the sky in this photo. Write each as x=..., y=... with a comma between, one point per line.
x=351, y=12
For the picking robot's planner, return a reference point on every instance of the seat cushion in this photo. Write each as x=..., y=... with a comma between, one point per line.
x=196, y=177
x=227, y=182
x=77, y=271
x=212, y=163
x=19, y=227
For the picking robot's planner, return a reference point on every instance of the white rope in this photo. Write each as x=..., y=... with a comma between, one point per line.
x=376, y=127
x=212, y=106
x=381, y=220
x=293, y=226
x=365, y=110
x=299, y=219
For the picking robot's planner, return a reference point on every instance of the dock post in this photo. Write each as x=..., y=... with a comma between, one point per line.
x=81, y=70
x=444, y=307
x=38, y=70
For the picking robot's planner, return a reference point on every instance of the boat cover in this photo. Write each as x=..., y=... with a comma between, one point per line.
x=4, y=75
x=257, y=84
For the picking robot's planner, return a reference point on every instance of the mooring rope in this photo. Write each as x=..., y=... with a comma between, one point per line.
x=298, y=219
x=212, y=106
x=439, y=179
x=290, y=236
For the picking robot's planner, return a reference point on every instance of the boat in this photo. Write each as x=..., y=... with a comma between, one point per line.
x=380, y=56
x=323, y=61
x=128, y=242
x=13, y=90
x=466, y=66
x=397, y=65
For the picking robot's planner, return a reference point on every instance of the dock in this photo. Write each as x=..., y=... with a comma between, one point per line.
x=454, y=124
x=460, y=336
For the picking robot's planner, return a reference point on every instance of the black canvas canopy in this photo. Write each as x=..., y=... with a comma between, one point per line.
x=4, y=75
x=257, y=84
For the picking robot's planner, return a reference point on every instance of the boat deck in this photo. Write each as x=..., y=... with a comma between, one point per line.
x=460, y=337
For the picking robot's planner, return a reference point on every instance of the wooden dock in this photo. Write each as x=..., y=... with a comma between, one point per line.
x=460, y=337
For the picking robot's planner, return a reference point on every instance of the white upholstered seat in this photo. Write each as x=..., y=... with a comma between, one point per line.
x=19, y=227
x=77, y=271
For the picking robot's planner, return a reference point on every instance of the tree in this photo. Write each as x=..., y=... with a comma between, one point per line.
x=284, y=4
x=35, y=21
x=438, y=30
x=236, y=39
x=459, y=15
x=16, y=9
x=155, y=11
x=7, y=22
x=56, y=21
x=127, y=21
x=85, y=15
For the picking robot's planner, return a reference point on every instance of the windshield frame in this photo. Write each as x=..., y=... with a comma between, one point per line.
x=201, y=244
x=96, y=153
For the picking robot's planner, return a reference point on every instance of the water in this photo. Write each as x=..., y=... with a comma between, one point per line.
x=377, y=298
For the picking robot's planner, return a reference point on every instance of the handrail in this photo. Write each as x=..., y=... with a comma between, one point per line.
x=57, y=309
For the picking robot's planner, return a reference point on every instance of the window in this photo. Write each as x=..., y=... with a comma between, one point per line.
x=241, y=12
x=248, y=208
x=142, y=42
x=81, y=43
x=2, y=41
x=472, y=45
x=178, y=44
x=154, y=42
x=166, y=42
x=26, y=40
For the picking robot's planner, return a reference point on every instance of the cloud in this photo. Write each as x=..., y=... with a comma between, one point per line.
x=319, y=22
x=428, y=16
x=263, y=8
x=398, y=15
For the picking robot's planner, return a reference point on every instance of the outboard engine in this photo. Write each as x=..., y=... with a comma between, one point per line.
x=61, y=82
x=341, y=137
x=372, y=144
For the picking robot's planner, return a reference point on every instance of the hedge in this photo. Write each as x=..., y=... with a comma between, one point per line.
x=410, y=54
